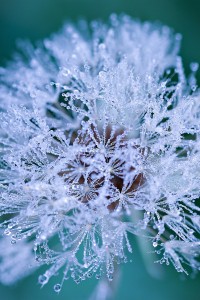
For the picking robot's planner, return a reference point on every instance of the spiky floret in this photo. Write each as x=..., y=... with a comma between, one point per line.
x=95, y=126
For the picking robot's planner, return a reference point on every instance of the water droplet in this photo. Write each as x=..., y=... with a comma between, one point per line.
x=102, y=76
x=191, y=231
x=7, y=232
x=43, y=279
x=110, y=277
x=98, y=276
x=194, y=66
x=57, y=288
x=194, y=87
x=77, y=281
x=178, y=37
x=66, y=72
x=89, y=274
x=75, y=186
x=102, y=46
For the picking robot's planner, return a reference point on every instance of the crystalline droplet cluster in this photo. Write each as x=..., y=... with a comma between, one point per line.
x=99, y=139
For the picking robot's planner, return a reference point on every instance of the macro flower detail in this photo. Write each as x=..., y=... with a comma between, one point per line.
x=99, y=140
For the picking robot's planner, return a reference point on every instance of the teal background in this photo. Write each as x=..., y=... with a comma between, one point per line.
x=36, y=19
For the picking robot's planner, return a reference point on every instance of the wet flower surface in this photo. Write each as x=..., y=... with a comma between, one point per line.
x=99, y=139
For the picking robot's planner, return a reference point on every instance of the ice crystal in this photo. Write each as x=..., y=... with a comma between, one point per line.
x=99, y=124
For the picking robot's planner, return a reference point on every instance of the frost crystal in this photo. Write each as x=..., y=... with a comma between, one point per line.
x=99, y=125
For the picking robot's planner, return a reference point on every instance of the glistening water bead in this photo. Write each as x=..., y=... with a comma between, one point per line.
x=43, y=279
x=57, y=288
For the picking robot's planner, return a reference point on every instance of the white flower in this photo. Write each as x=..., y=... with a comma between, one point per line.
x=96, y=126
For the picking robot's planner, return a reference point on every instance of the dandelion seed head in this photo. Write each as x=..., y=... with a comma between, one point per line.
x=100, y=124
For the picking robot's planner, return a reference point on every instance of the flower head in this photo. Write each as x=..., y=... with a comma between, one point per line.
x=99, y=139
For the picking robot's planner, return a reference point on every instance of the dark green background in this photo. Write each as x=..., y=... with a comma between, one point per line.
x=35, y=19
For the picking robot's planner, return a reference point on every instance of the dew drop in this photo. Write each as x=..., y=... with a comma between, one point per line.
x=7, y=232
x=89, y=274
x=110, y=277
x=191, y=231
x=102, y=46
x=98, y=276
x=77, y=281
x=43, y=279
x=57, y=288
x=194, y=66
x=178, y=37
x=194, y=87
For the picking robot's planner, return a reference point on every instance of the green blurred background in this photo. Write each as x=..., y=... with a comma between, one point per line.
x=36, y=19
